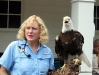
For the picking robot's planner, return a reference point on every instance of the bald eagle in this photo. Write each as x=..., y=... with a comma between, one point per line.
x=69, y=43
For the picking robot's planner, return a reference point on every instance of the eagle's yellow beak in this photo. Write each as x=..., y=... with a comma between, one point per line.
x=65, y=20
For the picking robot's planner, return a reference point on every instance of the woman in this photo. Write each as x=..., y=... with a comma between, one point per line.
x=28, y=55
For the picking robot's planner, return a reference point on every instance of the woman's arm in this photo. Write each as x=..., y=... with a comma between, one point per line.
x=4, y=71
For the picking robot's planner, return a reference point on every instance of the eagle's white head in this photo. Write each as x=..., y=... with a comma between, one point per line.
x=67, y=24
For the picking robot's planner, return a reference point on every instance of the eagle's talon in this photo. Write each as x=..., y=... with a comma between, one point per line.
x=76, y=60
x=62, y=68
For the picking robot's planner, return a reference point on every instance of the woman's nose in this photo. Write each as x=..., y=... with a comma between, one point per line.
x=30, y=30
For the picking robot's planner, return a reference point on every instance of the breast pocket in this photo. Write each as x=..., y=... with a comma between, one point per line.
x=45, y=61
x=23, y=62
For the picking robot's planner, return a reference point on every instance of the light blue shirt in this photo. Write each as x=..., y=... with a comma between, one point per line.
x=18, y=63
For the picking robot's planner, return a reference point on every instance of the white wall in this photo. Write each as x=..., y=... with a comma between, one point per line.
x=6, y=36
x=96, y=35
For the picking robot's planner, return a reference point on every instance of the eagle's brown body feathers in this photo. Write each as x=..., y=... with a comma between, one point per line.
x=69, y=42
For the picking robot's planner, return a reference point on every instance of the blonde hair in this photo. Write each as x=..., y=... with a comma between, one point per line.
x=44, y=37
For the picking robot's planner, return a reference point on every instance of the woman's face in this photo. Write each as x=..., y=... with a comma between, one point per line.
x=32, y=32
x=96, y=47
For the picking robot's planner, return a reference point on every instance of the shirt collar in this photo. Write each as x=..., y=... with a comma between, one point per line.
x=22, y=42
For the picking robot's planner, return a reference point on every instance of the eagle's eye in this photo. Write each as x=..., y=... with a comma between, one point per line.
x=68, y=19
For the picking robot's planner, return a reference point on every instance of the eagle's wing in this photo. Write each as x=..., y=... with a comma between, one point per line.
x=57, y=44
x=59, y=49
x=84, y=58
